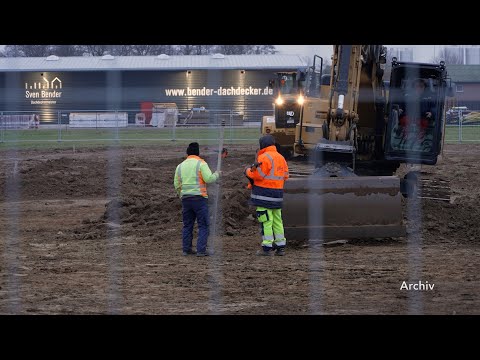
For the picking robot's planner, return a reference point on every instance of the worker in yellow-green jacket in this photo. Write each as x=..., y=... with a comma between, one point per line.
x=191, y=179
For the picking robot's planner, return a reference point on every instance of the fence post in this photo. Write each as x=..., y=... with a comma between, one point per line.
x=2, y=131
x=231, y=126
x=59, y=124
x=116, y=125
x=460, y=118
x=174, y=128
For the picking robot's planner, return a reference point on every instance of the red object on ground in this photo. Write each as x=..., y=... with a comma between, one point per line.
x=146, y=107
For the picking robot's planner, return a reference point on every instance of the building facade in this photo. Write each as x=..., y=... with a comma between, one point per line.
x=52, y=86
x=466, y=85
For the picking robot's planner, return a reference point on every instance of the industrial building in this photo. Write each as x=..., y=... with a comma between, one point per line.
x=54, y=87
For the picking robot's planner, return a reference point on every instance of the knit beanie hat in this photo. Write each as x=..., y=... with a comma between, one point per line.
x=193, y=149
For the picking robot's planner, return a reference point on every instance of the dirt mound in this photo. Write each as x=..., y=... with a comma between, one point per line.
x=57, y=178
x=146, y=203
x=145, y=215
x=457, y=222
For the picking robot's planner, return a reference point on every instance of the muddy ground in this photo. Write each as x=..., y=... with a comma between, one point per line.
x=99, y=232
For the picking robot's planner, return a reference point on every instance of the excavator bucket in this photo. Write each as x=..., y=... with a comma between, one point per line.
x=342, y=207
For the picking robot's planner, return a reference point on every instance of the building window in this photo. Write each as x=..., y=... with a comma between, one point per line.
x=459, y=88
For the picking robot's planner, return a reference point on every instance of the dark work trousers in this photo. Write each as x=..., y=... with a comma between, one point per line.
x=195, y=207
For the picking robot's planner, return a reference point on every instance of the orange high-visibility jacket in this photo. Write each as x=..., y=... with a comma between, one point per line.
x=268, y=178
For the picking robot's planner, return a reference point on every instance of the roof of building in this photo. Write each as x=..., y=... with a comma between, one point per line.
x=464, y=73
x=160, y=62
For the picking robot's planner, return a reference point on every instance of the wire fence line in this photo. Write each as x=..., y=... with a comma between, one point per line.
x=135, y=125
x=130, y=125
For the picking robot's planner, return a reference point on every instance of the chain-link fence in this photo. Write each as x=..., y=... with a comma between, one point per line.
x=131, y=125
x=462, y=126
x=167, y=125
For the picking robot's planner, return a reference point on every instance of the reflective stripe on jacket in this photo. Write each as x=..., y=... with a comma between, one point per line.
x=268, y=178
x=192, y=176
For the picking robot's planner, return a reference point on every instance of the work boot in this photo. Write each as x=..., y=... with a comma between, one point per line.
x=280, y=251
x=189, y=252
x=206, y=253
x=264, y=252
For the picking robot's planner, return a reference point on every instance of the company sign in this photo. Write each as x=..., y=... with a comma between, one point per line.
x=44, y=91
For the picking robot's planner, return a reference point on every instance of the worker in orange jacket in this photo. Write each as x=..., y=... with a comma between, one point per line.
x=267, y=176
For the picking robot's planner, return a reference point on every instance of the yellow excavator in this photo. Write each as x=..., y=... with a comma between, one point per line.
x=355, y=139
x=294, y=92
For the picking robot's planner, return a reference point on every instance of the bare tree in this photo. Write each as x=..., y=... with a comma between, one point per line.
x=224, y=49
x=28, y=50
x=95, y=50
x=203, y=49
x=450, y=57
x=145, y=49
x=166, y=49
x=13, y=51
x=37, y=50
x=232, y=49
x=139, y=50
x=186, y=49
x=245, y=49
x=121, y=50
x=262, y=49
x=67, y=50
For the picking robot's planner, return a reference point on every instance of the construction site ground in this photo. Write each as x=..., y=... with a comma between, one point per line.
x=98, y=231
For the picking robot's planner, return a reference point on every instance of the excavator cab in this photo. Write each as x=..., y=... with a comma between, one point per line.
x=415, y=112
x=287, y=108
x=293, y=92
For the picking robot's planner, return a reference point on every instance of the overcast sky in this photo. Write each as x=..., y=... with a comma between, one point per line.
x=421, y=53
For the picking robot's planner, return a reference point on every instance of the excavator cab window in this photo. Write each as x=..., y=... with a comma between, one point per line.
x=311, y=85
x=415, y=113
x=325, y=79
x=287, y=83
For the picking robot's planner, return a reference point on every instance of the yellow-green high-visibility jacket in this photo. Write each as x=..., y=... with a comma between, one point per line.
x=192, y=176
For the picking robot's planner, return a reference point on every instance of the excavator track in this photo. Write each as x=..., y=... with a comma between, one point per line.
x=436, y=189
x=300, y=169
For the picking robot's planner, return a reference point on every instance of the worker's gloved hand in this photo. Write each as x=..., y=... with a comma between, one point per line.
x=219, y=172
x=250, y=180
x=255, y=165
